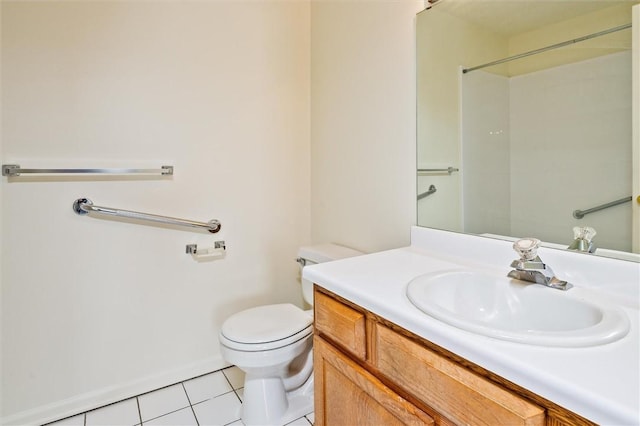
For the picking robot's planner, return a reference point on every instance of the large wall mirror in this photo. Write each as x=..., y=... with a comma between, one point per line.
x=526, y=118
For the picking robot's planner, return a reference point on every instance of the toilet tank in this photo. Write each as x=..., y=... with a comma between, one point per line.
x=310, y=255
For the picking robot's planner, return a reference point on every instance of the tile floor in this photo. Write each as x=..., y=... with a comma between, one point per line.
x=212, y=399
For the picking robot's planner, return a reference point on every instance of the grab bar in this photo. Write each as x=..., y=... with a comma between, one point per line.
x=83, y=206
x=16, y=170
x=432, y=189
x=579, y=214
x=448, y=170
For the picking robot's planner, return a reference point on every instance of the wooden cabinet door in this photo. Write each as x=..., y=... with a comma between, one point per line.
x=346, y=394
x=458, y=394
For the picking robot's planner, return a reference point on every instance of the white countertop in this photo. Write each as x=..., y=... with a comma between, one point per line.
x=600, y=383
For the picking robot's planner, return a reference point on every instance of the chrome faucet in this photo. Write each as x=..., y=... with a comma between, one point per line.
x=531, y=268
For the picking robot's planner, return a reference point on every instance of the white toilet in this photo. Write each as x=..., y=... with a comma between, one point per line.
x=272, y=344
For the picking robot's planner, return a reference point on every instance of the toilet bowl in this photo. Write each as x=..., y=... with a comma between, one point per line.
x=272, y=344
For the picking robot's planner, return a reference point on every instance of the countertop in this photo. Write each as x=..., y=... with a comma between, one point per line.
x=600, y=383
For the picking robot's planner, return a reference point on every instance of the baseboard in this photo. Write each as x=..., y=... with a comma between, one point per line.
x=108, y=395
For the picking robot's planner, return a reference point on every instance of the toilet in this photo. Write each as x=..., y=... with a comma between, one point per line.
x=272, y=344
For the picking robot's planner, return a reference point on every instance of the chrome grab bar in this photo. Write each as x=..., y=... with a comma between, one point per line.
x=83, y=206
x=447, y=170
x=16, y=170
x=579, y=214
x=432, y=189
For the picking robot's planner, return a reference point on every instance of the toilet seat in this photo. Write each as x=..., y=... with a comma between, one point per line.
x=266, y=328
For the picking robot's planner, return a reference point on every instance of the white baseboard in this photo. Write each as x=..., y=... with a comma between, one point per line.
x=108, y=395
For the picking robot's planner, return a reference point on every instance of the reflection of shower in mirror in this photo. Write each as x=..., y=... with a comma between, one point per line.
x=539, y=122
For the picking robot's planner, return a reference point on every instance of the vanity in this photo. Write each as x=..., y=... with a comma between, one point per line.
x=380, y=359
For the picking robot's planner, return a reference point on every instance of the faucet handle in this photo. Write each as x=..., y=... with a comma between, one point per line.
x=584, y=233
x=527, y=248
x=582, y=239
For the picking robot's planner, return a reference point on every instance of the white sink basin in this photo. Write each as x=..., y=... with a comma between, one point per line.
x=509, y=309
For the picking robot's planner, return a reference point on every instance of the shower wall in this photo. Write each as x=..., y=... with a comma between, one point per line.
x=569, y=132
x=486, y=166
x=571, y=146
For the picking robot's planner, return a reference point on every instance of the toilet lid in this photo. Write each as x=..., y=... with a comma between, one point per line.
x=265, y=324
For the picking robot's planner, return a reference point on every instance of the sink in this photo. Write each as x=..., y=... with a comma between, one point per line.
x=509, y=309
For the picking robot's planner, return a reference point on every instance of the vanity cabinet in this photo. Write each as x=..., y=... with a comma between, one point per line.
x=369, y=371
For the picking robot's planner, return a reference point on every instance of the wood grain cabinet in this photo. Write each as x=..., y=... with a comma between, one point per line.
x=369, y=371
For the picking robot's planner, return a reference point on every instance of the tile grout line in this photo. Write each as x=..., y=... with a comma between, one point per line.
x=218, y=396
x=212, y=398
x=226, y=378
x=170, y=412
x=139, y=412
x=219, y=370
x=190, y=405
x=230, y=384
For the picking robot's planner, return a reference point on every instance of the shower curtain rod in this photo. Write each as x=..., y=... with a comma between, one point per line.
x=551, y=47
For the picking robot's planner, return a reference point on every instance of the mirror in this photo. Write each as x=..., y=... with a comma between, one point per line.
x=525, y=116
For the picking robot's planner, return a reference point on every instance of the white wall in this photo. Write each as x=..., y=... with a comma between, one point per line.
x=95, y=310
x=363, y=122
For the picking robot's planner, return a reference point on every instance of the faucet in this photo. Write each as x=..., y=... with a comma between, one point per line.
x=582, y=239
x=531, y=268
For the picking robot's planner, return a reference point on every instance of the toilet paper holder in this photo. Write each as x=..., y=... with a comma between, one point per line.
x=218, y=250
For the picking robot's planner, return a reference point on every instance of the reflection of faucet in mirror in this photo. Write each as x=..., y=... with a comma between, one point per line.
x=531, y=268
x=582, y=239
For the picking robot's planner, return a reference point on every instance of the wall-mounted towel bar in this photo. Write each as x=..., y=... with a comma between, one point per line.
x=432, y=189
x=579, y=214
x=84, y=206
x=447, y=170
x=16, y=170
